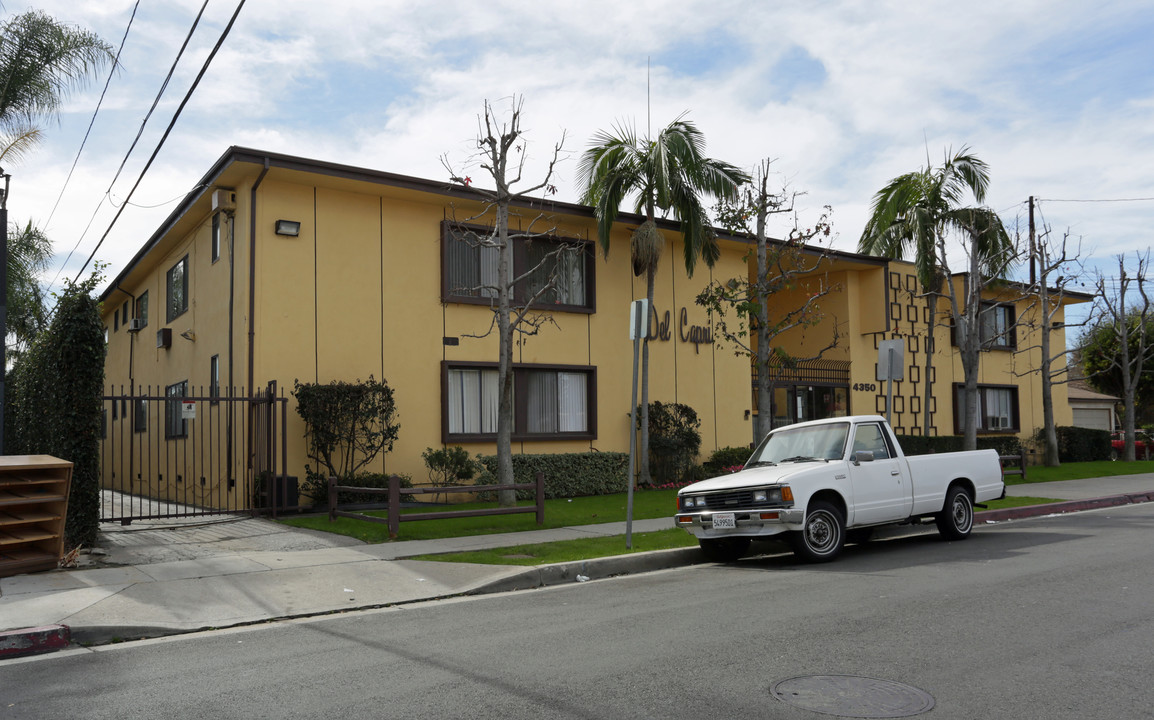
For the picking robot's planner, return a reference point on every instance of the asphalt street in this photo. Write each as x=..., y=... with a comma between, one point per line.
x=1042, y=618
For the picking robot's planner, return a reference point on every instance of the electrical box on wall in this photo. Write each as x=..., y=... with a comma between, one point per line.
x=223, y=200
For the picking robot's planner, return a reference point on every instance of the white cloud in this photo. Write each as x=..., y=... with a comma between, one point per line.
x=1056, y=97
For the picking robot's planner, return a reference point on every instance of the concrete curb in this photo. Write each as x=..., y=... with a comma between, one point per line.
x=33, y=641
x=594, y=569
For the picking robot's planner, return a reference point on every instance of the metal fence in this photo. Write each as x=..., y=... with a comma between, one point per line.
x=166, y=452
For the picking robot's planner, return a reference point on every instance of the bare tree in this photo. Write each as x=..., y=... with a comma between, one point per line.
x=781, y=266
x=1131, y=323
x=1057, y=269
x=502, y=155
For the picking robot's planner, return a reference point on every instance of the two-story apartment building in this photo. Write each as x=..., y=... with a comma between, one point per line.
x=277, y=268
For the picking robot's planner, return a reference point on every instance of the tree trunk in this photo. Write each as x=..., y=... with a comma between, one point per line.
x=506, y=498
x=928, y=395
x=1050, y=459
x=1129, y=387
x=643, y=477
x=764, y=377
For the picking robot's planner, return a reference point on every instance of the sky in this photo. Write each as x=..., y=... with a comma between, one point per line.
x=1057, y=96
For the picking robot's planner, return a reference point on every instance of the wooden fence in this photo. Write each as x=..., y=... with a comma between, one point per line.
x=395, y=518
x=1014, y=464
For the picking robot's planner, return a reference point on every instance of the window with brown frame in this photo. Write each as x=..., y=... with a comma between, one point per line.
x=549, y=402
x=470, y=263
x=997, y=408
x=997, y=327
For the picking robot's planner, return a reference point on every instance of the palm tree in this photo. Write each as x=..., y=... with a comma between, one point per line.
x=669, y=173
x=914, y=211
x=41, y=61
x=28, y=253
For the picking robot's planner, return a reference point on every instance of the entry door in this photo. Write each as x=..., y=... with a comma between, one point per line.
x=881, y=489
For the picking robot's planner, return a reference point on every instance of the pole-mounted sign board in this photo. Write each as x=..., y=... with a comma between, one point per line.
x=891, y=360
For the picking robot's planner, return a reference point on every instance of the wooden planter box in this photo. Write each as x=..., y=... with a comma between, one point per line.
x=33, y=506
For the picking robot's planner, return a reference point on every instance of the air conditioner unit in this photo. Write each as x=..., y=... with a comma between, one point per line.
x=223, y=200
x=136, y=325
x=164, y=338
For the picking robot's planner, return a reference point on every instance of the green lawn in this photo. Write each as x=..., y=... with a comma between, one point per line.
x=1076, y=471
x=558, y=513
x=570, y=550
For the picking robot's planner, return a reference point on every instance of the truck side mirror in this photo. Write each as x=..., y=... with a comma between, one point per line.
x=863, y=456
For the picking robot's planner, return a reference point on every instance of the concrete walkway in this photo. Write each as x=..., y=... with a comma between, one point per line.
x=165, y=577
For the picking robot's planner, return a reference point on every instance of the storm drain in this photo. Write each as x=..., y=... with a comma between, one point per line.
x=851, y=696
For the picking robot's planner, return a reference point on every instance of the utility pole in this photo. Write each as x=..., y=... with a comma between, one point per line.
x=3, y=298
x=1032, y=240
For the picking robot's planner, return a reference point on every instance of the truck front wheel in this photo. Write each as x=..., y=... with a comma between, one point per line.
x=822, y=536
x=956, y=519
x=724, y=550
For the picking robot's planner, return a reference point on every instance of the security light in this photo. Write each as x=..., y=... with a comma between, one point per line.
x=292, y=228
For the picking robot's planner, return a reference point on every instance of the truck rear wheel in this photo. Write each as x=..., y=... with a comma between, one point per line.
x=724, y=549
x=822, y=536
x=956, y=519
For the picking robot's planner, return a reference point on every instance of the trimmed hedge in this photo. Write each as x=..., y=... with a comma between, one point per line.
x=55, y=406
x=922, y=445
x=566, y=474
x=1077, y=444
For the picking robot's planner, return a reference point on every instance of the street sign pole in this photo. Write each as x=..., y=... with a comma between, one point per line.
x=638, y=326
x=891, y=361
x=889, y=387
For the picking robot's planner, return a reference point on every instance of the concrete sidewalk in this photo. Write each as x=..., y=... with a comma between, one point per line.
x=168, y=577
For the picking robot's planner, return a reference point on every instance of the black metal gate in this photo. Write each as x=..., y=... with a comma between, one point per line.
x=168, y=453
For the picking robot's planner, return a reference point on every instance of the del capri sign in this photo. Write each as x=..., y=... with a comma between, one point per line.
x=659, y=329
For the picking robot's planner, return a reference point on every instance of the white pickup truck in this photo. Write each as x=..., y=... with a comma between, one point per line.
x=824, y=481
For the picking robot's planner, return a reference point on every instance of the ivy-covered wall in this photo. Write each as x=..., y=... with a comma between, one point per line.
x=53, y=403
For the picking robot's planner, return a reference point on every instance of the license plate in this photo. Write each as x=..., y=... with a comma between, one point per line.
x=724, y=520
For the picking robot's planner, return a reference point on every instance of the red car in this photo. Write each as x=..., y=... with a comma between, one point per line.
x=1143, y=445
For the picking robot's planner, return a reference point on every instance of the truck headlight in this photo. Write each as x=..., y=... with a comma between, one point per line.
x=760, y=496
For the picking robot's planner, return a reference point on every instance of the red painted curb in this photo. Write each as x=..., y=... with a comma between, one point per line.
x=1061, y=507
x=33, y=641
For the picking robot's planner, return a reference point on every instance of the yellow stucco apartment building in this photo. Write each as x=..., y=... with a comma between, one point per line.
x=278, y=268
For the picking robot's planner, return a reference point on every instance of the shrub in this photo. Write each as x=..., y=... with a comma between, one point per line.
x=54, y=404
x=674, y=441
x=450, y=466
x=347, y=425
x=566, y=474
x=723, y=460
x=1077, y=444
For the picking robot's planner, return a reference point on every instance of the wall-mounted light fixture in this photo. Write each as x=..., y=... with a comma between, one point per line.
x=292, y=228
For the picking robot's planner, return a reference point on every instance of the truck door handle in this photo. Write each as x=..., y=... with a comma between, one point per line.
x=895, y=473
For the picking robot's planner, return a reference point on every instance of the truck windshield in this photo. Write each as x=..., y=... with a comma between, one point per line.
x=819, y=442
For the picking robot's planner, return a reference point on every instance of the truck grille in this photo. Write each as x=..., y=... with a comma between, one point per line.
x=733, y=500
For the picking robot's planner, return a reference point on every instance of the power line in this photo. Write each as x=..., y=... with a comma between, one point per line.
x=1105, y=200
x=167, y=131
x=139, y=132
x=115, y=65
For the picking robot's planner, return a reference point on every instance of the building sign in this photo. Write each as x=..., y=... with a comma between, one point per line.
x=188, y=410
x=659, y=329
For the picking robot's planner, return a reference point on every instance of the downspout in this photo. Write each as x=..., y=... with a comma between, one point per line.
x=252, y=296
x=131, y=386
x=231, y=344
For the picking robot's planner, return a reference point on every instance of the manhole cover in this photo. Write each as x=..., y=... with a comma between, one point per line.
x=850, y=696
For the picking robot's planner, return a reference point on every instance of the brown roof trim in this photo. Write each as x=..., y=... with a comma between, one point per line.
x=236, y=154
